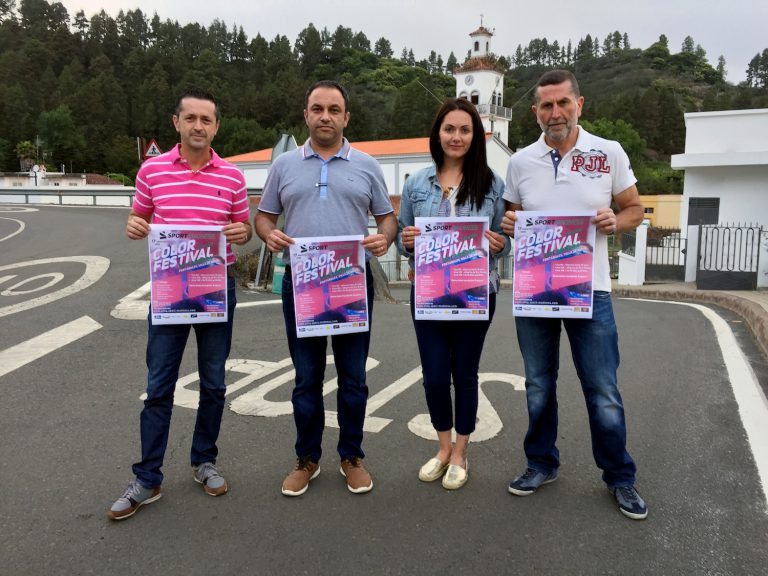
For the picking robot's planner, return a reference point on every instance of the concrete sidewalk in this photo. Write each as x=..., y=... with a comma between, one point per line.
x=751, y=305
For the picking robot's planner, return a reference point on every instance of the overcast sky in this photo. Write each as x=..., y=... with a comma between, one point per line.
x=736, y=30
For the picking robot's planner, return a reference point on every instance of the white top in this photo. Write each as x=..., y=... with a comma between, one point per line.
x=588, y=177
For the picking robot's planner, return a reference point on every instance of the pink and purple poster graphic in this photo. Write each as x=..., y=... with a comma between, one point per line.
x=451, y=266
x=553, y=264
x=188, y=274
x=329, y=290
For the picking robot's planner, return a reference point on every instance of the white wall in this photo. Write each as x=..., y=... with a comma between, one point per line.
x=743, y=192
x=255, y=177
x=726, y=131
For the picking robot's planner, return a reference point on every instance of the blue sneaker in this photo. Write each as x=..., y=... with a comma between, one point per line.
x=630, y=502
x=527, y=483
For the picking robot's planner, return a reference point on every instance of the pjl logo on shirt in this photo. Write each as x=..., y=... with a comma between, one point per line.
x=592, y=164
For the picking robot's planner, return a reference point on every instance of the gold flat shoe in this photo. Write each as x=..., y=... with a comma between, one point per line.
x=456, y=476
x=432, y=470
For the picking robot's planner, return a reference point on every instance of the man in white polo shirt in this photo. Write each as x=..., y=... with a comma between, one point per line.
x=570, y=169
x=325, y=188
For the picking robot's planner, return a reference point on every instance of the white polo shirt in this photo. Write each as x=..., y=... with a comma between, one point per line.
x=587, y=178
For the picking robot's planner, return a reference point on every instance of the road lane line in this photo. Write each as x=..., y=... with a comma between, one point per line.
x=17, y=356
x=753, y=405
x=12, y=234
x=95, y=268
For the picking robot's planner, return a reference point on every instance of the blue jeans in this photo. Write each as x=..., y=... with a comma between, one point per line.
x=595, y=350
x=350, y=352
x=451, y=350
x=165, y=347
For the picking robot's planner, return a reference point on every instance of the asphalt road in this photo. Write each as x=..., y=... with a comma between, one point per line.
x=69, y=429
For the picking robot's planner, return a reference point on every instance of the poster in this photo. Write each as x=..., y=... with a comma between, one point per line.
x=188, y=273
x=553, y=264
x=329, y=291
x=451, y=265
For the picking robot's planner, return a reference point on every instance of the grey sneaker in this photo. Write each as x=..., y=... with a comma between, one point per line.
x=213, y=482
x=132, y=499
x=630, y=502
x=529, y=481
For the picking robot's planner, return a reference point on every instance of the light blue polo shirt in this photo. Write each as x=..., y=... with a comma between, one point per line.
x=325, y=197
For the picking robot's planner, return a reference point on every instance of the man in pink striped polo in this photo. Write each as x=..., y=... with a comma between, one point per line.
x=187, y=185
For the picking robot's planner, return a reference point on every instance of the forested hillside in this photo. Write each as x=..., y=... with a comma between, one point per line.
x=78, y=90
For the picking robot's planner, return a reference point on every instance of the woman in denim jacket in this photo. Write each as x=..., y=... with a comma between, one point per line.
x=460, y=183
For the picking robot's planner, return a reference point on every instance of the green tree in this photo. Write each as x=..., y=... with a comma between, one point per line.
x=721, y=67
x=26, y=152
x=624, y=133
x=451, y=63
x=383, y=48
x=100, y=107
x=64, y=143
x=415, y=108
x=120, y=156
x=361, y=43
x=309, y=50
x=241, y=135
x=688, y=46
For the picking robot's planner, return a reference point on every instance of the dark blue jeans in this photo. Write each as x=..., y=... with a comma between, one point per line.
x=165, y=348
x=595, y=351
x=451, y=350
x=350, y=352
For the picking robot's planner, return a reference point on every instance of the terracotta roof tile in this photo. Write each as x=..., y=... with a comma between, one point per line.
x=257, y=156
x=478, y=63
x=372, y=147
x=481, y=30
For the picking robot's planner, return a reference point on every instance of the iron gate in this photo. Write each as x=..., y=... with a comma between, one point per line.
x=729, y=257
x=665, y=255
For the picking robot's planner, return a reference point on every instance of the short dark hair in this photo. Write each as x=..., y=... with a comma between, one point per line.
x=557, y=77
x=199, y=94
x=478, y=178
x=327, y=84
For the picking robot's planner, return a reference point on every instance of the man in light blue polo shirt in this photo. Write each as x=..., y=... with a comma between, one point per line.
x=325, y=188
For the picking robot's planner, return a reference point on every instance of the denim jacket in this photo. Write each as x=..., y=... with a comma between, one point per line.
x=422, y=195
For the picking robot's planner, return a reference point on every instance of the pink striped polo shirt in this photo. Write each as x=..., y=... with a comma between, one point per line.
x=173, y=194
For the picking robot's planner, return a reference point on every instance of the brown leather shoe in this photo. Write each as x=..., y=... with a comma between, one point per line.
x=297, y=481
x=358, y=478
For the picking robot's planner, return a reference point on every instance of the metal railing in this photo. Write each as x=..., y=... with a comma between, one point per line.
x=493, y=110
x=729, y=247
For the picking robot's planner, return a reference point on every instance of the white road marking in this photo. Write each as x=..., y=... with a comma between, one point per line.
x=95, y=268
x=18, y=209
x=17, y=356
x=753, y=405
x=489, y=424
x=54, y=278
x=259, y=303
x=12, y=234
x=135, y=306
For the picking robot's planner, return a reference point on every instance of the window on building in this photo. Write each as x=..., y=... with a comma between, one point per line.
x=703, y=211
x=477, y=46
x=648, y=210
x=475, y=98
